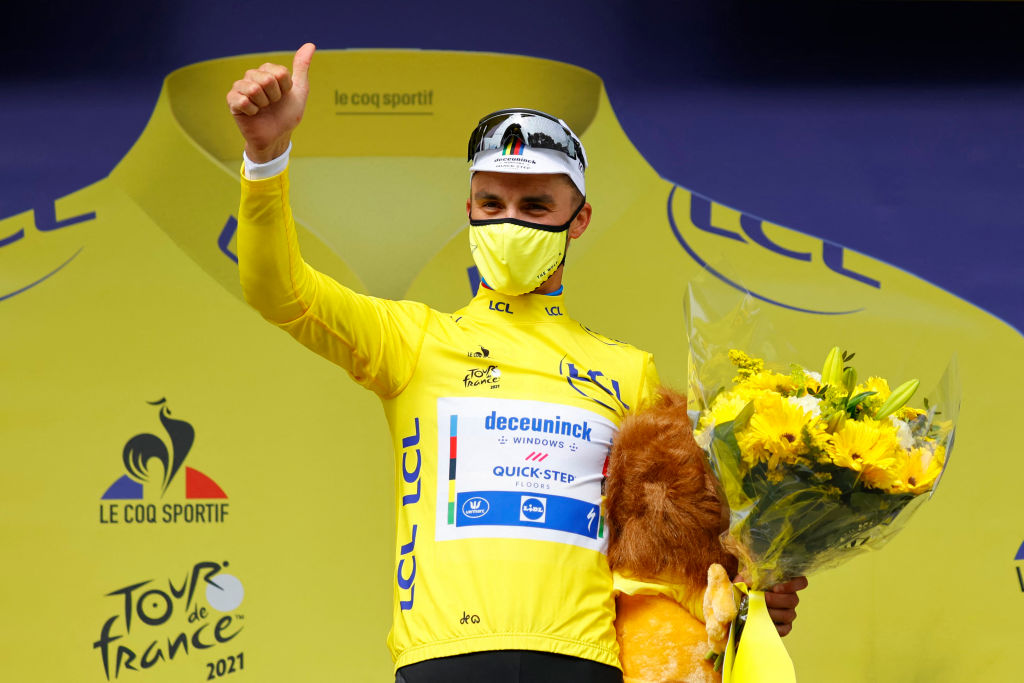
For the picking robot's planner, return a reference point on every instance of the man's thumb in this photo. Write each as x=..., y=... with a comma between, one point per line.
x=300, y=65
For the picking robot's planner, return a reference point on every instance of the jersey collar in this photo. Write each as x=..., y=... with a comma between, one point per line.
x=494, y=306
x=183, y=170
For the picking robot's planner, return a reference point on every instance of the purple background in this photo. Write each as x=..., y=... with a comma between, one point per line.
x=891, y=128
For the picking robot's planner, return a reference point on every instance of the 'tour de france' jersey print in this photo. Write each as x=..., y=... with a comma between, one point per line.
x=521, y=469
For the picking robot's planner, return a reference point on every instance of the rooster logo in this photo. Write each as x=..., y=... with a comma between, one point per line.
x=148, y=461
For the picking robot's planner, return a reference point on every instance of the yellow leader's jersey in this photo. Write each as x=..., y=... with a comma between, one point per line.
x=502, y=417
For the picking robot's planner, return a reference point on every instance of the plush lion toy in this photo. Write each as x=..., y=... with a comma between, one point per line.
x=671, y=570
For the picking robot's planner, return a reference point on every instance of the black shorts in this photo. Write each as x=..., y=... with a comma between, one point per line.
x=508, y=666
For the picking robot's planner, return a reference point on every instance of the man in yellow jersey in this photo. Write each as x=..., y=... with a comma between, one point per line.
x=500, y=572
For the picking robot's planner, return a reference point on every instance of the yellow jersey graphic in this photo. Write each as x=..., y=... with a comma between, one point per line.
x=127, y=291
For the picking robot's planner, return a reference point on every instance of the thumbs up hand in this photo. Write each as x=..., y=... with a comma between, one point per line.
x=268, y=104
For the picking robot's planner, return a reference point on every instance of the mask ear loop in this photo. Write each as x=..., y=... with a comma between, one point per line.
x=565, y=252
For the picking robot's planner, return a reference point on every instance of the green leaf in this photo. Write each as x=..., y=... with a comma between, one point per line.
x=741, y=420
x=856, y=400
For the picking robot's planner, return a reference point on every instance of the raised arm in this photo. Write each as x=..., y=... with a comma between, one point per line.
x=376, y=340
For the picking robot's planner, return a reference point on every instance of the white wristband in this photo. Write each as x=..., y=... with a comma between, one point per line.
x=269, y=169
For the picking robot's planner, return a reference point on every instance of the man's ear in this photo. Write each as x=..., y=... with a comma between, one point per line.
x=580, y=223
x=469, y=200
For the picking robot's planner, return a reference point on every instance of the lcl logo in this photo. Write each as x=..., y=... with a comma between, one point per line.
x=691, y=218
x=500, y=306
x=46, y=222
x=1019, y=559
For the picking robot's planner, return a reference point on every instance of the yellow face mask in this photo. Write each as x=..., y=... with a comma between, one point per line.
x=515, y=256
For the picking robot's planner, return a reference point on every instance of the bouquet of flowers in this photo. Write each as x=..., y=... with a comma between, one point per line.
x=817, y=466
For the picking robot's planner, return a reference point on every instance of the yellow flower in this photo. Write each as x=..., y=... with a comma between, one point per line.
x=876, y=384
x=921, y=468
x=766, y=380
x=747, y=365
x=726, y=407
x=819, y=439
x=774, y=433
x=906, y=413
x=751, y=393
x=811, y=383
x=882, y=391
x=886, y=475
x=862, y=445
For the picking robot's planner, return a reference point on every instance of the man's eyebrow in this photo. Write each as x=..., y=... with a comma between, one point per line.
x=535, y=199
x=539, y=199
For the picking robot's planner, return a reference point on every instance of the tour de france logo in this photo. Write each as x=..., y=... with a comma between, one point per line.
x=190, y=614
x=154, y=469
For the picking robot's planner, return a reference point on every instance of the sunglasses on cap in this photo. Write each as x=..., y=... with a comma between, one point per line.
x=533, y=127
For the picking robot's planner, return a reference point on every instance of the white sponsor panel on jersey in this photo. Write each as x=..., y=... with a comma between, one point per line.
x=512, y=468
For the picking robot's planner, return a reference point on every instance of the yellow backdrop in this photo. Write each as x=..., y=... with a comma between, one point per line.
x=190, y=495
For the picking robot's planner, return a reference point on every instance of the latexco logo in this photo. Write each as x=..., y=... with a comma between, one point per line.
x=154, y=622
x=476, y=507
x=151, y=469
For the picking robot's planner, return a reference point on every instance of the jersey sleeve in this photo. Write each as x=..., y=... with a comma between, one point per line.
x=649, y=383
x=376, y=340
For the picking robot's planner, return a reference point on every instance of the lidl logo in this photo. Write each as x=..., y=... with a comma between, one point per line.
x=533, y=509
x=153, y=471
